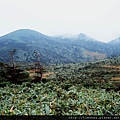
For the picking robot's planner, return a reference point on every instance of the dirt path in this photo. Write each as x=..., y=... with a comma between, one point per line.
x=45, y=75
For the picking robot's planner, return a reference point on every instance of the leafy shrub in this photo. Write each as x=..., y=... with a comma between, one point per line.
x=52, y=99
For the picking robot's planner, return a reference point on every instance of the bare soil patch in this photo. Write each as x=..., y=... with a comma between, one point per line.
x=45, y=75
x=115, y=78
x=110, y=66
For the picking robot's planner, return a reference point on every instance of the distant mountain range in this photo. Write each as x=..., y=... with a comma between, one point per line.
x=55, y=49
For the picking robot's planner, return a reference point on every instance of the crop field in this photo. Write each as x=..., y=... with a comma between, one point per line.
x=56, y=98
x=66, y=89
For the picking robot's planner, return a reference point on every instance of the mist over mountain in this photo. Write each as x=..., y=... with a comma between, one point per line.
x=55, y=49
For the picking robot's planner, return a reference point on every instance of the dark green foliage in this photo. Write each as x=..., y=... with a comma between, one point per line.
x=73, y=89
x=12, y=72
x=7, y=74
x=52, y=99
x=90, y=75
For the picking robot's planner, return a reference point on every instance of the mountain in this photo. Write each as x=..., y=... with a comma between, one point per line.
x=87, y=43
x=115, y=44
x=52, y=49
x=115, y=41
x=27, y=41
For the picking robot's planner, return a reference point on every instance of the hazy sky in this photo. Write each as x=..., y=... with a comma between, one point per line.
x=99, y=19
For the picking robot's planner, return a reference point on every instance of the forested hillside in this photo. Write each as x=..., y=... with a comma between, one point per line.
x=54, y=49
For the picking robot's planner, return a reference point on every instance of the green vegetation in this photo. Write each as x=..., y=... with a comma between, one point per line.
x=73, y=89
x=52, y=98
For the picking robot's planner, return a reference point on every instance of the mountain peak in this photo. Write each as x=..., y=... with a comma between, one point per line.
x=115, y=41
x=73, y=36
x=82, y=35
x=85, y=37
x=24, y=33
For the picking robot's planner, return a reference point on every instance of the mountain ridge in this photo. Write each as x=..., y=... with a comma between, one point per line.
x=53, y=49
x=115, y=41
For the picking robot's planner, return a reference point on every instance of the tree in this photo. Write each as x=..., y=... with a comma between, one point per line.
x=38, y=66
x=14, y=73
x=13, y=62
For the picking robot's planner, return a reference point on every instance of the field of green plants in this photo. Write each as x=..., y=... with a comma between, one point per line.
x=73, y=89
x=57, y=98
